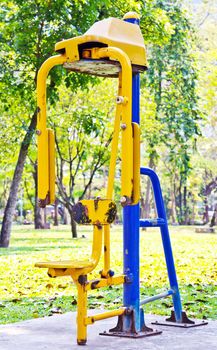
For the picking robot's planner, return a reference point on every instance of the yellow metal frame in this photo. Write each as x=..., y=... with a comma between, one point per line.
x=75, y=268
x=125, y=113
x=136, y=163
x=78, y=270
x=46, y=174
x=46, y=179
x=91, y=319
x=82, y=319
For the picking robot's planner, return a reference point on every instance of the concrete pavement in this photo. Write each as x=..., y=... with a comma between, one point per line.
x=59, y=333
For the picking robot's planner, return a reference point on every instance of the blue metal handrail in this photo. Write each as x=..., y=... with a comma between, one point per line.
x=161, y=212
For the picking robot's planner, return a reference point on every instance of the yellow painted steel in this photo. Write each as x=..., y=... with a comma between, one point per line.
x=45, y=187
x=110, y=185
x=131, y=15
x=107, y=252
x=58, y=272
x=105, y=282
x=126, y=111
x=65, y=264
x=122, y=42
x=136, y=163
x=91, y=319
x=98, y=210
x=77, y=267
x=114, y=147
x=51, y=155
x=81, y=314
x=111, y=32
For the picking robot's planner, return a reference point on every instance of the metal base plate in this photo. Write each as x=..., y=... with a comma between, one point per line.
x=186, y=322
x=119, y=331
x=132, y=335
x=180, y=325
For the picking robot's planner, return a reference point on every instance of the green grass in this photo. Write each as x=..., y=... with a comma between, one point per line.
x=27, y=292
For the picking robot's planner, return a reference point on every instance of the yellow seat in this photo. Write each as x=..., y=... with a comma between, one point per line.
x=97, y=212
x=75, y=268
x=66, y=264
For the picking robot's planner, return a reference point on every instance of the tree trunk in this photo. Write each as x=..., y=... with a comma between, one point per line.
x=56, y=223
x=142, y=208
x=65, y=218
x=12, y=199
x=214, y=217
x=180, y=218
x=37, y=217
x=192, y=221
x=37, y=210
x=73, y=226
x=45, y=216
x=185, y=209
x=206, y=213
x=69, y=207
x=173, y=205
x=147, y=206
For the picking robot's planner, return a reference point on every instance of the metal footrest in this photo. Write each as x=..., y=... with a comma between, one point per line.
x=186, y=322
x=158, y=222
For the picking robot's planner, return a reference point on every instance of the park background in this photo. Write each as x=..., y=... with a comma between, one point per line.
x=178, y=127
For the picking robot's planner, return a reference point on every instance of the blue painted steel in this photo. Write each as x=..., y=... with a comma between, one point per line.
x=131, y=290
x=157, y=297
x=132, y=20
x=166, y=241
x=152, y=222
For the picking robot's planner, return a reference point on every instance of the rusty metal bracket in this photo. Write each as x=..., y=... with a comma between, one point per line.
x=119, y=331
x=186, y=322
x=94, y=212
x=43, y=202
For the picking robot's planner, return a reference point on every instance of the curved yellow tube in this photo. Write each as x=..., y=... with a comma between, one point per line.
x=126, y=119
x=44, y=183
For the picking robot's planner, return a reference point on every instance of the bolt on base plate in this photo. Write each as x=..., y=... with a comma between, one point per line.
x=186, y=322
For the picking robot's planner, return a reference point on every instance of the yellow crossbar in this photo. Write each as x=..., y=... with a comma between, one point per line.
x=105, y=282
x=91, y=319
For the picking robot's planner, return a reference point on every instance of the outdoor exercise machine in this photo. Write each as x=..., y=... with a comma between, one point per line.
x=110, y=48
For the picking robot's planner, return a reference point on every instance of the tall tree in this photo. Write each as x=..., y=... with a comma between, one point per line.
x=29, y=31
x=171, y=79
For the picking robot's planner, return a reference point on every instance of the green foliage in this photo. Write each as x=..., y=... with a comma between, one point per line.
x=31, y=28
x=29, y=31
x=154, y=22
x=171, y=80
x=83, y=124
x=156, y=25
x=170, y=112
x=27, y=292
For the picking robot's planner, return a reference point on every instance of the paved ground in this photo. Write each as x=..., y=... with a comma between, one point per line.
x=59, y=333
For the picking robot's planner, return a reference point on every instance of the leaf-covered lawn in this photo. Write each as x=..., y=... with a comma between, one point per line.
x=27, y=292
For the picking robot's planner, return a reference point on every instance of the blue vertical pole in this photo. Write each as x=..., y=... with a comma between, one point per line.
x=131, y=289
